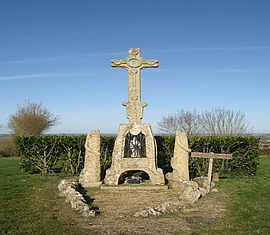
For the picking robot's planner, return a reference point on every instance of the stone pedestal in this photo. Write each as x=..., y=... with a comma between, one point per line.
x=179, y=162
x=90, y=175
x=144, y=157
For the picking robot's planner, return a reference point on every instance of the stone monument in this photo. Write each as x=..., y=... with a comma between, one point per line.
x=90, y=175
x=179, y=162
x=135, y=147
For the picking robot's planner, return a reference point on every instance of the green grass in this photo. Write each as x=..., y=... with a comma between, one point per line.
x=27, y=203
x=249, y=211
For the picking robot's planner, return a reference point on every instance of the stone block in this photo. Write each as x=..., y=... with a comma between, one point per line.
x=90, y=175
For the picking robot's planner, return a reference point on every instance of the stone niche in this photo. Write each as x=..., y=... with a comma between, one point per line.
x=134, y=149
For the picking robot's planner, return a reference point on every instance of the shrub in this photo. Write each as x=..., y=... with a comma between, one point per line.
x=31, y=119
x=49, y=154
x=245, y=159
x=7, y=148
x=244, y=151
x=72, y=154
x=39, y=153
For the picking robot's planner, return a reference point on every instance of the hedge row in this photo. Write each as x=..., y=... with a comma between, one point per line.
x=65, y=154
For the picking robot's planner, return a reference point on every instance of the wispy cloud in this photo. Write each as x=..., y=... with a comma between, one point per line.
x=105, y=54
x=207, y=70
x=62, y=58
x=202, y=49
x=228, y=48
x=123, y=53
x=50, y=75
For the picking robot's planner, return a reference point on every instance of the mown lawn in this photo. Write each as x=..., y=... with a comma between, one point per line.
x=28, y=203
x=249, y=211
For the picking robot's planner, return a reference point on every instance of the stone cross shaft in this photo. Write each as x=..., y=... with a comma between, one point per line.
x=133, y=64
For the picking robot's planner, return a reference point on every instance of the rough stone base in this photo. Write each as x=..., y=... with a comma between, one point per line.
x=147, y=164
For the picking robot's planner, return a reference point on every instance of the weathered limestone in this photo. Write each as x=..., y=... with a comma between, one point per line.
x=189, y=193
x=204, y=184
x=69, y=190
x=90, y=175
x=120, y=164
x=133, y=64
x=135, y=146
x=179, y=162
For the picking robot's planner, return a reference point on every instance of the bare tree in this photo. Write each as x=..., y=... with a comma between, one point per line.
x=221, y=121
x=189, y=122
x=31, y=119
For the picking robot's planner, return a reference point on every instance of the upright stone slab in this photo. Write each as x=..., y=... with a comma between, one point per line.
x=135, y=146
x=179, y=162
x=90, y=175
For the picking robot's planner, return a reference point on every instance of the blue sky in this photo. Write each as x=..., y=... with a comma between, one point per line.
x=211, y=54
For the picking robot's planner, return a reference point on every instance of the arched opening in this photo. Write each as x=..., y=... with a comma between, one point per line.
x=133, y=177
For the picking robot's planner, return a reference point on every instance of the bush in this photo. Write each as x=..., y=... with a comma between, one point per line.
x=245, y=159
x=49, y=154
x=244, y=151
x=54, y=154
x=39, y=153
x=7, y=148
x=31, y=119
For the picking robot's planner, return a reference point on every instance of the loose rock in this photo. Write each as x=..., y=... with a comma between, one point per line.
x=202, y=182
x=69, y=190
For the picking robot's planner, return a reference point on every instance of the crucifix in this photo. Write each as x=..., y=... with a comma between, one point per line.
x=133, y=64
x=135, y=146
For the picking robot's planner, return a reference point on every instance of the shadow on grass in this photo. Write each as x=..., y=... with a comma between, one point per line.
x=87, y=199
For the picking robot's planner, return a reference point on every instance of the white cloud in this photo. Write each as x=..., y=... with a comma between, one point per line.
x=206, y=70
x=80, y=56
x=215, y=49
x=49, y=75
x=62, y=58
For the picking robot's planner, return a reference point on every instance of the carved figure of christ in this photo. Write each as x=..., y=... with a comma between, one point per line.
x=133, y=64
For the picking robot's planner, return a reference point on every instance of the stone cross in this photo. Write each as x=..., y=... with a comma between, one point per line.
x=211, y=156
x=133, y=64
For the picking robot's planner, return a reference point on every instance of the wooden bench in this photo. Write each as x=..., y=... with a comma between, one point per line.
x=211, y=157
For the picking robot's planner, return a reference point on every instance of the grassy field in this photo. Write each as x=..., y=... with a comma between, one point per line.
x=28, y=204
x=25, y=208
x=249, y=211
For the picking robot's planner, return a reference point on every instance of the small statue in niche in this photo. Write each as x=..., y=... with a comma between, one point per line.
x=134, y=145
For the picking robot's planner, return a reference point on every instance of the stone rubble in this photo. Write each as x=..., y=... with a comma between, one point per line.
x=202, y=182
x=189, y=193
x=69, y=190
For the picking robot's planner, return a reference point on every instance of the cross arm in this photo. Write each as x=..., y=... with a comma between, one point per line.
x=119, y=63
x=149, y=63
